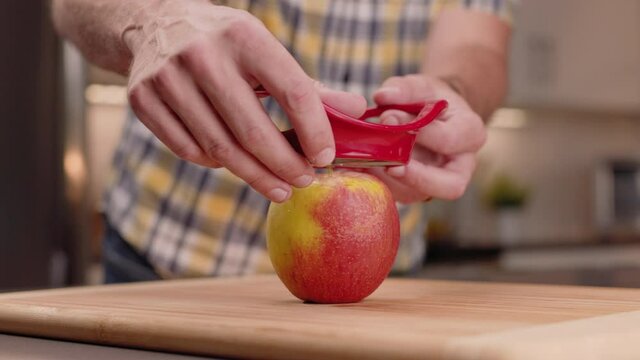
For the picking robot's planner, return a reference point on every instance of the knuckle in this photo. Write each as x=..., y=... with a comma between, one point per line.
x=299, y=94
x=197, y=61
x=475, y=119
x=254, y=136
x=256, y=181
x=135, y=98
x=214, y=164
x=285, y=170
x=162, y=78
x=194, y=56
x=256, y=141
x=322, y=139
x=478, y=129
x=457, y=188
x=448, y=142
x=241, y=28
x=472, y=132
x=219, y=151
x=138, y=97
x=187, y=152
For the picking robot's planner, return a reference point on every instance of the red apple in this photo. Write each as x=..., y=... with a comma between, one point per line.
x=335, y=240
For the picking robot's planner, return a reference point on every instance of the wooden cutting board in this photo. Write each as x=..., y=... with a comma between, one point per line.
x=256, y=317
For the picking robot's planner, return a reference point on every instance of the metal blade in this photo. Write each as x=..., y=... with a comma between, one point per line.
x=363, y=163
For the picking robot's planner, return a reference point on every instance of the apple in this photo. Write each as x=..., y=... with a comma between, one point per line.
x=335, y=240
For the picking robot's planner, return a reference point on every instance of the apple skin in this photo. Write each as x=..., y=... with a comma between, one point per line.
x=335, y=240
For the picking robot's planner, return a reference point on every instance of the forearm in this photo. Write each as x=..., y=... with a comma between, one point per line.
x=469, y=51
x=96, y=27
x=478, y=75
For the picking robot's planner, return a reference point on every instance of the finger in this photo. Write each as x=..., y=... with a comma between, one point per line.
x=348, y=103
x=242, y=112
x=396, y=117
x=405, y=89
x=448, y=182
x=181, y=93
x=400, y=191
x=457, y=131
x=285, y=80
x=163, y=123
x=426, y=156
x=417, y=88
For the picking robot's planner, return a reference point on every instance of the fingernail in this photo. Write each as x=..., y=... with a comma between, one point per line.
x=391, y=120
x=302, y=181
x=397, y=171
x=324, y=157
x=278, y=195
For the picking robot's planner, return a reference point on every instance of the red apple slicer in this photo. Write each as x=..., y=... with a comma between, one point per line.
x=365, y=144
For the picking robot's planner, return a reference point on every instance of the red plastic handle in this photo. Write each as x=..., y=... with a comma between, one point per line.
x=372, y=144
x=425, y=113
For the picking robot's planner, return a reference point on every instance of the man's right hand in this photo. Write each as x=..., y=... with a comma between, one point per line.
x=192, y=81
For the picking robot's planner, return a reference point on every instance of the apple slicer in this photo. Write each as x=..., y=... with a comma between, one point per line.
x=366, y=144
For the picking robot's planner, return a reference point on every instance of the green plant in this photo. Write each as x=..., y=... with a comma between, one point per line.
x=503, y=191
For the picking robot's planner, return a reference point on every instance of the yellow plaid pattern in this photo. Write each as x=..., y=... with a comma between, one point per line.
x=189, y=220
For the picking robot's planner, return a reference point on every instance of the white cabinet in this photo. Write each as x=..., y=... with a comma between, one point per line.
x=576, y=54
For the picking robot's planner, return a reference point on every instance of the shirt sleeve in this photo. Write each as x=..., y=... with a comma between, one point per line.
x=503, y=9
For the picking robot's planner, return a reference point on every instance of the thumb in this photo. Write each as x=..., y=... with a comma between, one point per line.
x=349, y=103
x=405, y=89
x=396, y=117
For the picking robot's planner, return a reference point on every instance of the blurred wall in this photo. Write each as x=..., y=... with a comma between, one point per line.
x=575, y=70
x=555, y=155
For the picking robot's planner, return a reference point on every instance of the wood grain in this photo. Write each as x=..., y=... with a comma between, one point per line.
x=256, y=317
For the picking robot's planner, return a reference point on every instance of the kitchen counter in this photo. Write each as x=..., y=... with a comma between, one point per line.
x=613, y=265
x=255, y=317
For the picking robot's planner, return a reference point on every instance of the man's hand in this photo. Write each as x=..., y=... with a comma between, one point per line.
x=192, y=84
x=193, y=69
x=443, y=158
x=469, y=49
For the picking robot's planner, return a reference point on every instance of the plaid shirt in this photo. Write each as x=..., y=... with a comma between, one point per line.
x=190, y=220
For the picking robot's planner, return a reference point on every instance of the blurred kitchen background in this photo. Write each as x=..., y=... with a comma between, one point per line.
x=556, y=198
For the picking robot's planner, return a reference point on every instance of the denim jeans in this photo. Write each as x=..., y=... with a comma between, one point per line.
x=122, y=263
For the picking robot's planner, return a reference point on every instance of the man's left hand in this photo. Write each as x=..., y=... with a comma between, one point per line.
x=444, y=156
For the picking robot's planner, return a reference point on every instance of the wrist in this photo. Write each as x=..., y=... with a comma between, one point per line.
x=455, y=83
x=137, y=28
x=169, y=18
x=478, y=104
